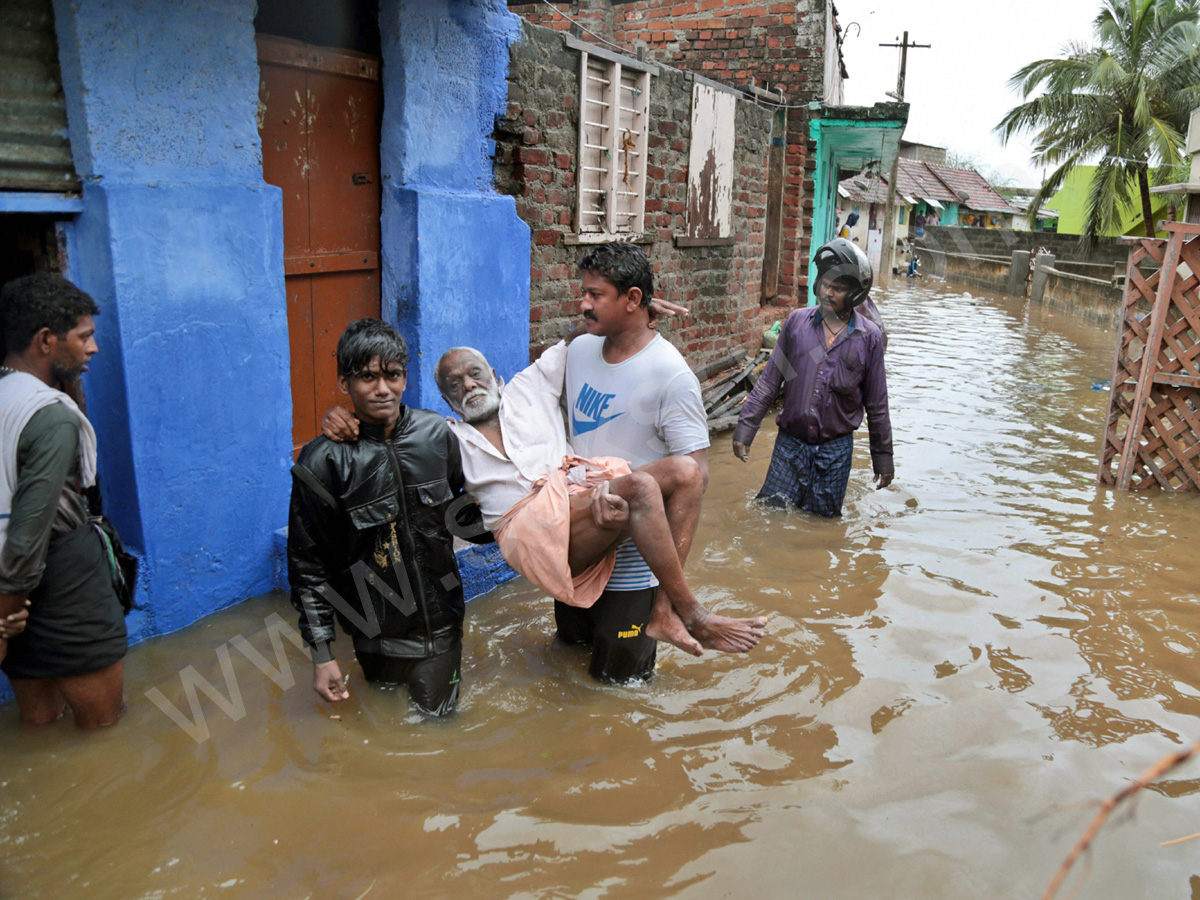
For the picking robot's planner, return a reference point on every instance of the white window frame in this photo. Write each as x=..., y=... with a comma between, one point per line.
x=610, y=167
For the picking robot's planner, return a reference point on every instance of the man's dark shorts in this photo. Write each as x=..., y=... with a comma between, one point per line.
x=432, y=682
x=615, y=628
x=76, y=624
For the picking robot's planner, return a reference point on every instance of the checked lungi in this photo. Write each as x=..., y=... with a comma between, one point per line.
x=810, y=476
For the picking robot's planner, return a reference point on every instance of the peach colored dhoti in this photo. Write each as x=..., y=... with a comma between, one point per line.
x=535, y=534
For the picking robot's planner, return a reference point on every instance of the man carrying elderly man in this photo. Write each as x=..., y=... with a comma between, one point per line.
x=564, y=521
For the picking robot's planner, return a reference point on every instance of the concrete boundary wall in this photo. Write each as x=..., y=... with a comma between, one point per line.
x=977, y=272
x=1093, y=298
x=1003, y=241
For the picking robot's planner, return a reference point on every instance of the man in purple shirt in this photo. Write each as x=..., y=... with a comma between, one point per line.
x=829, y=364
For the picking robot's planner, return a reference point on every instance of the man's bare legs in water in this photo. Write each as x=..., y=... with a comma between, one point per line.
x=658, y=505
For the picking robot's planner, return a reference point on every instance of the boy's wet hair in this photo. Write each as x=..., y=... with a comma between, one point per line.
x=624, y=264
x=365, y=339
x=41, y=300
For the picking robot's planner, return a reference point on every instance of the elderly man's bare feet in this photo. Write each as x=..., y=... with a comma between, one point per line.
x=723, y=633
x=665, y=625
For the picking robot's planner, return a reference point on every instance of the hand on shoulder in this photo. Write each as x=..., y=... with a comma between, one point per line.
x=340, y=425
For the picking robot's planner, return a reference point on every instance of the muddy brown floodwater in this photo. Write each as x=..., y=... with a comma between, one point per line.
x=954, y=673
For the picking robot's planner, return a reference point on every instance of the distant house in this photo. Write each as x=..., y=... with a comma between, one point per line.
x=922, y=152
x=1021, y=200
x=927, y=193
x=979, y=205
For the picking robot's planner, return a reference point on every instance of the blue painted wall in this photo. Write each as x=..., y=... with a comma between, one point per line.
x=181, y=243
x=455, y=253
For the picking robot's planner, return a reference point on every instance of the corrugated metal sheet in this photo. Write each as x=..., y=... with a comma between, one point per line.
x=864, y=188
x=34, y=151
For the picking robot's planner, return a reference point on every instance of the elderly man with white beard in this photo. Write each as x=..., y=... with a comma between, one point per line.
x=558, y=518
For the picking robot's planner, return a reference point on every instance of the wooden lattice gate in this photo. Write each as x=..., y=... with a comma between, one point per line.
x=1152, y=433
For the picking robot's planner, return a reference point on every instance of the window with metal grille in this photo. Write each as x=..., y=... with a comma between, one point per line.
x=614, y=114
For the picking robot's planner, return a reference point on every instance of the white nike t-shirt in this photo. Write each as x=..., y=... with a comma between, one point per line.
x=643, y=409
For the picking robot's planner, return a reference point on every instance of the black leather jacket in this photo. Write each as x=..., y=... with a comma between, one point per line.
x=357, y=509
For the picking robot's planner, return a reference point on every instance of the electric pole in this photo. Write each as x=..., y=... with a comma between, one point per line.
x=889, y=214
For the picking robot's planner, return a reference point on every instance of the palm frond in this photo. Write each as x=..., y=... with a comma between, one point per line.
x=1125, y=99
x=1108, y=194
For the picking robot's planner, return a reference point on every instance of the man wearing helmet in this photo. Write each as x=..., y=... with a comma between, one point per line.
x=828, y=363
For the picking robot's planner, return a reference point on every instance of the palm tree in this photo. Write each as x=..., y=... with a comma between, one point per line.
x=1125, y=101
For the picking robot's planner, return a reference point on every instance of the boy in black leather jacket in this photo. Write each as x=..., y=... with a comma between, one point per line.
x=368, y=533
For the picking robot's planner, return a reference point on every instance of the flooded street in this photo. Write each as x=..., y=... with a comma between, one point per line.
x=953, y=672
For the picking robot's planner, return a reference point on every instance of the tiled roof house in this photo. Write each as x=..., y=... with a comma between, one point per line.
x=972, y=189
x=925, y=187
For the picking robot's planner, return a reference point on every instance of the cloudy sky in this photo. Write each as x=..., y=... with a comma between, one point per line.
x=958, y=88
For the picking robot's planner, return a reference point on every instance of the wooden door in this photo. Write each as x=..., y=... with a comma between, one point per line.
x=319, y=121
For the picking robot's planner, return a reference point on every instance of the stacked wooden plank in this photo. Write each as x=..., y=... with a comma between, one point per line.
x=725, y=383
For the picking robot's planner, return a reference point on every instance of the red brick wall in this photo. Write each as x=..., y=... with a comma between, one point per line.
x=536, y=141
x=780, y=44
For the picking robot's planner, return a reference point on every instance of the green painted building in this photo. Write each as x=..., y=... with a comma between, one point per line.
x=1071, y=203
x=845, y=140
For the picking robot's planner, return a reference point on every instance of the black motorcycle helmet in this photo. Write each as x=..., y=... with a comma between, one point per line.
x=841, y=258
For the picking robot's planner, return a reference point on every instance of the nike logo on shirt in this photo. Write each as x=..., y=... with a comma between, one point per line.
x=588, y=412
